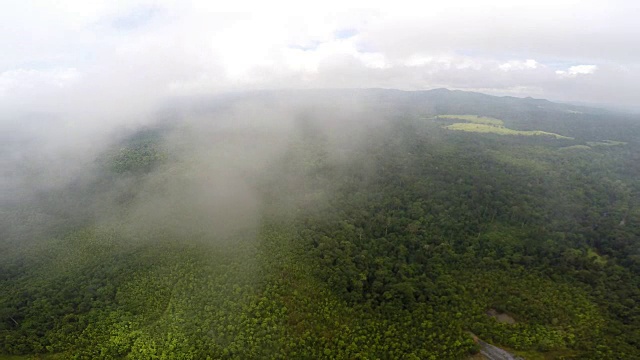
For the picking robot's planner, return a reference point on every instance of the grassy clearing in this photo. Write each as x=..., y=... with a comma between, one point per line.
x=476, y=119
x=489, y=129
x=606, y=143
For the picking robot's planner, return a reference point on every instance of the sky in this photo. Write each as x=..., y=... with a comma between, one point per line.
x=102, y=58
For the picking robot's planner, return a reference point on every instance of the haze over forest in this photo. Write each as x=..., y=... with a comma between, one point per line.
x=185, y=181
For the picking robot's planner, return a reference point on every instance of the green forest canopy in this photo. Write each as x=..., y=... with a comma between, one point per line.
x=398, y=246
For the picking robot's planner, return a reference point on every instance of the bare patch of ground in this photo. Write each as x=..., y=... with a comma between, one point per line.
x=501, y=317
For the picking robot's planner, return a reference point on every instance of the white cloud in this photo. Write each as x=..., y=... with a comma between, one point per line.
x=576, y=70
x=418, y=60
x=19, y=80
x=183, y=48
x=519, y=65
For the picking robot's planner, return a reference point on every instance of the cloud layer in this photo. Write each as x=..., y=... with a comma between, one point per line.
x=127, y=56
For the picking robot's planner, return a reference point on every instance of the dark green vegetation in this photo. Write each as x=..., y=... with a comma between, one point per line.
x=367, y=238
x=140, y=154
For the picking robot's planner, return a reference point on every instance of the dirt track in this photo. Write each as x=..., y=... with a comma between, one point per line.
x=495, y=353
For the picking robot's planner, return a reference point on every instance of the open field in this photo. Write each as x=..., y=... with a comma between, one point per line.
x=489, y=129
x=477, y=119
x=606, y=143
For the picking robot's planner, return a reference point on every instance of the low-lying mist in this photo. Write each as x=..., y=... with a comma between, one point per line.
x=206, y=168
x=201, y=170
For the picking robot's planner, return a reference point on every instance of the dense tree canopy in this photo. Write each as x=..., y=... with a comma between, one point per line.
x=375, y=239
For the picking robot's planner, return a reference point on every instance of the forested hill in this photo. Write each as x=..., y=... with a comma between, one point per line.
x=523, y=113
x=337, y=224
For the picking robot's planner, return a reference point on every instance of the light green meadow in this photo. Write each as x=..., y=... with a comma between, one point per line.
x=490, y=129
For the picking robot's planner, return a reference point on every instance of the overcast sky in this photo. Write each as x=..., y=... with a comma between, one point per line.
x=97, y=56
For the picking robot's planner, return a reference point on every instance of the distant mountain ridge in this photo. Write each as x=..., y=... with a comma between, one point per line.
x=582, y=122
